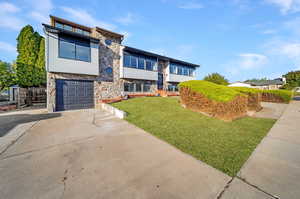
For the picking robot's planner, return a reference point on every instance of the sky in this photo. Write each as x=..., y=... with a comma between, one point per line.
x=240, y=39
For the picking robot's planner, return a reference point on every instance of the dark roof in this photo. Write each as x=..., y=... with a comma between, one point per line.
x=138, y=51
x=56, y=30
x=265, y=82
x=104, y=31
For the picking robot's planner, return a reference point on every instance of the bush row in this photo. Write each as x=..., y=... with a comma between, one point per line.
x=224, y=102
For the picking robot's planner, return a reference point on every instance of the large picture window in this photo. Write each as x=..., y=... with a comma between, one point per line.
x=137, y=87
x=139, y=61
x=76, y=49
x=181, y=69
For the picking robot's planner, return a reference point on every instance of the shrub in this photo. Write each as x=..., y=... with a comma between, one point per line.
x=284, y=95
x=216, y=78
x=212, y=91
x=254, y=97
x=214, y=100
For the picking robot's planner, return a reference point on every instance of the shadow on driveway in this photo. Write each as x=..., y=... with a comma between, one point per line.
x=8, y=122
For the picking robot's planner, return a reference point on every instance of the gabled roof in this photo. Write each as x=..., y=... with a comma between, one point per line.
x=139, y=51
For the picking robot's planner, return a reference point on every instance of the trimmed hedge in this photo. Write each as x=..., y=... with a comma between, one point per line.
x=282, y=95
x=211, y=91
x=285, y=95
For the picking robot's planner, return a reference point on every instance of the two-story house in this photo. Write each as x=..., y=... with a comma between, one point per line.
x=88, y=65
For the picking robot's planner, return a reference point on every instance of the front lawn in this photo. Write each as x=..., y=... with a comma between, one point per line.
x=223, y=145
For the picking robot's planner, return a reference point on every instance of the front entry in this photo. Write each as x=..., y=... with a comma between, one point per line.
x=74, y=94
x=160, y=81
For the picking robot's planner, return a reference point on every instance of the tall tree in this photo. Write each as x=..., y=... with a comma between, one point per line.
x=216, y=78
x=292, y=79
x=7, y=76
x=40, y=63
x=28, y=49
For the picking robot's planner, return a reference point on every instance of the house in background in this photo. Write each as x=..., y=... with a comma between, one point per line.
x=87, y=65
x=261, y=84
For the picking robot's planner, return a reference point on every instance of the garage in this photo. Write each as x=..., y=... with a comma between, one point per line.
x=74, y=94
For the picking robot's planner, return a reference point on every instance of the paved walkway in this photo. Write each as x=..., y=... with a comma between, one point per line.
x=273, y=170
x=88, y=154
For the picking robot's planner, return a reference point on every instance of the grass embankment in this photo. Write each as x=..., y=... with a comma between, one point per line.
x=212, y=91
x=222, y=93
x=223, y=145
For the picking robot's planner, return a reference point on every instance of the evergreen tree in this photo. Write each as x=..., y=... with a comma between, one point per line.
x=40, y=63
x=28, y=48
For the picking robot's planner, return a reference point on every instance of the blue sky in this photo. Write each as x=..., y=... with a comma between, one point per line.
x=240, y=39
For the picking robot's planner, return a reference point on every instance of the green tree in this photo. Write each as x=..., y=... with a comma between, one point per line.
x=7, y=76
x=28, y=48
x=40, y=64
x=292, y=79
x=216, y=78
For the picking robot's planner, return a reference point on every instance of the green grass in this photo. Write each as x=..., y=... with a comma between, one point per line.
x=223, y=145
x=210, y=90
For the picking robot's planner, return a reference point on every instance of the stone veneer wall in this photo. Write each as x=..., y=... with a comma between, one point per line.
x=51, y=87
x=164, y=70
x=109, y=56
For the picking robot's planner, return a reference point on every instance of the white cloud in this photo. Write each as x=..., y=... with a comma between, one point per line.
x=126, y=20
x=40, y=11
x=8, y=19
x=286, y=6
x=246, y=62
x=11, y=22
x=8, y=7
x=191, y=5
x=126, y=35
x=252, y=60
x=82, y=16
x=4, y=46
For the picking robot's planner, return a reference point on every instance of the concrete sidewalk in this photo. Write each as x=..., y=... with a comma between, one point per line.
x=273, y=170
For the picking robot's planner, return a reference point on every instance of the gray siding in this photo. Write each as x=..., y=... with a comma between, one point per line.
x=61, y=65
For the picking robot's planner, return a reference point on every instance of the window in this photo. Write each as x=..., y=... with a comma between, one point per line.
x=179, y=70
x=172, y=88
x=67, y=27
x=71, y=48
x=128, y=87
x=59, y=25
x=79, y=31
x=173, y=69
x=191, y=72
x=133, y=62
x=138, y=87
x=146, y=87
x=108, y=42
x=86, y=33
x=66, y=48
x=127, y=60
x=83, y=51
x=185, y=71
x=109, y=70
x=141, y=64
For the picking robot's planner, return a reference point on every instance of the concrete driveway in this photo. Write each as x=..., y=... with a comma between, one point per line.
x=91, y=154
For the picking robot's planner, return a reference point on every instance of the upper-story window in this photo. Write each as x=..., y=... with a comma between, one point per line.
x=139, y=62
x=181, y=69
x=71, y=28
x=71, y=48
